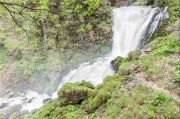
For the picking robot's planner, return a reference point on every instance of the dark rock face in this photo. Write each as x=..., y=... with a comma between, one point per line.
x=3, y=105
x=121, y=2
x=150, y=2
x=46, y=100
x=116, y=63
x=118, y=3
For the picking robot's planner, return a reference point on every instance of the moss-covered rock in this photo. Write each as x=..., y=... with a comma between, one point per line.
x=116, y=63
x=134, y=55
x=73, y=93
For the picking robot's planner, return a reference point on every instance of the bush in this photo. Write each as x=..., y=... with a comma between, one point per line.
x=160, y=97
x=134, y=55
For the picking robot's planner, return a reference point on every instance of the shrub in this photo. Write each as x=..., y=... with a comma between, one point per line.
x=160, y=97
x=134, y=55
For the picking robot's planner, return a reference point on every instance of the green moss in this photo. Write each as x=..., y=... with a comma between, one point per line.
x=109, y=86
x=72, y=93
x=86, y=84
x=116, y=63
x=112, y=112
x=139, y=3
x=74, y=115
x=92, y=104
x=124, y=102
x=126, y=71
x=115, y=77
x=134, y=55
x=177, y=76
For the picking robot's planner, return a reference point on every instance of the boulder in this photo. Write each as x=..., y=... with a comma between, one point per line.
x=3, y=105
x=116, y=63
x=74, y=93
x=6, y=113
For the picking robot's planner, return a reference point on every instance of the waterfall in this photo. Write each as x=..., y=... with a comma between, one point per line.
x=129, y=24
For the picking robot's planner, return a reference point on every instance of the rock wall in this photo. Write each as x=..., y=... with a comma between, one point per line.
x=118, y=3
x=121, y=2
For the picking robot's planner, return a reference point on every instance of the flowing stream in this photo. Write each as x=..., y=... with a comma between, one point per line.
x=131, y=26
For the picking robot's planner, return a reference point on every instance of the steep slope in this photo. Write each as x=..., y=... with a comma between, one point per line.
x=146, y=84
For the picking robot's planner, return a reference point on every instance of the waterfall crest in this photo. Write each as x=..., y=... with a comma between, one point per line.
x=129, y=23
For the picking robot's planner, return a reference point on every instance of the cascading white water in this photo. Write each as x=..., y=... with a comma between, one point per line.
x=129, y=23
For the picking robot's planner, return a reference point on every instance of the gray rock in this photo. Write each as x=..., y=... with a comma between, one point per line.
x=6, y=113
x=46, y=100
x=3, y=105
x=148, y=50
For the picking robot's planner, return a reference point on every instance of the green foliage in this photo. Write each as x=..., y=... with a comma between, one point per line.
x=108, y=100
x=79, y=10
x=126, y=71
x=168, y=46
x=3, y=56
x=92, y=104
x=124, y=102
x=134, y=55
x=177, y=76
x=139, y=3
x=160, y=97
x=112, y=112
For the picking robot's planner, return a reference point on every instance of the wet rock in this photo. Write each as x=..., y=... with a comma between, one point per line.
x=17, y=115
x=5, y=113
x=116, y=63
x=46, y=100
x=23, y=112
x=10, y=95
x=142, y=53
x=3, y=105
x=34, y=111
x=27, y=101
x=150, y=2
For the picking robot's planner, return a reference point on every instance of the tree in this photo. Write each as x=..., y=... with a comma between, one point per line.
x=31, y=10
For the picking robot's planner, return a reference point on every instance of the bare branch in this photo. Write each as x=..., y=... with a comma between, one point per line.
x=14, y=19
x=26, y=7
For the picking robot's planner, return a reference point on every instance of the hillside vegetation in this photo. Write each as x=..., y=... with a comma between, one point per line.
x=40, y=40
x=146, y=84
